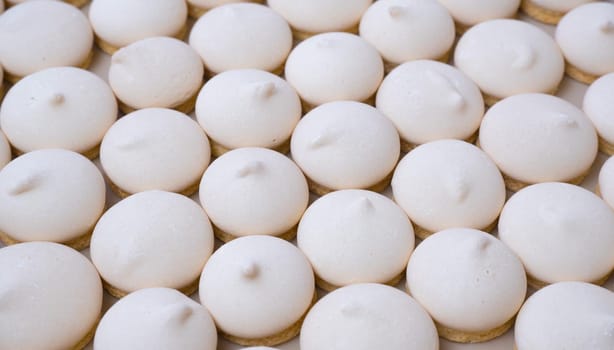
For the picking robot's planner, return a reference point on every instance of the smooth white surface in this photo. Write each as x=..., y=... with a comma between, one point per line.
x=598, y=105
x=507, y=57
x=254, y=191
x=42, y=34
x=407, y=30
x=256, y=286
x=248, y=108
x=365, y=317
x=156, y=72
x=345, y=144
x=448, y=183
x=317, y=16
x=209, y=4
x=538, y=138
x=152, y=239
x=471, y=12
x=586, y=37
x=60, y=107
x=165, y=150
x=49, y=290
x=334, y=66
x=428, y=100
x=51, y=194
x=569, y=315
x=219, y=36
x=122, y=22
x=156, y=319
x=466, y=279
x=561, y=232
x=355, y=236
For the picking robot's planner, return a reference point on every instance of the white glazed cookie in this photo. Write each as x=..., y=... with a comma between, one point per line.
x=566, y=315
x=467, y=13
x=269, y=278
x=253, y=191
x=538, y=138
x=561, y=232
x=50, y=295
x=469, y=282
x=118, y=23
x=50, y=195
x=155, y=149
x=606, y=182
x=42, y=34
x=248, y=108
x=407, y=30
x=586, y=38
x=334, y=66
x=448, y=183
x=506, y=57
x=242, y=35
x=598, y=105
x=428, y=101
x=308, y=17
x=60, y=107
x=355, y=236
x=156, y=319
x=157, y=72
x=152, y=239
x=345, y=144
x=550, y=11
x=368, y=316
x=5, y=151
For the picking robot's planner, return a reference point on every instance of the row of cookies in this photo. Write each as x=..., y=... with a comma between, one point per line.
x=530, y=57
x=70, y=108
x=178, y=79
x=531, y=138
x=317, y=16
x=465, y=286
